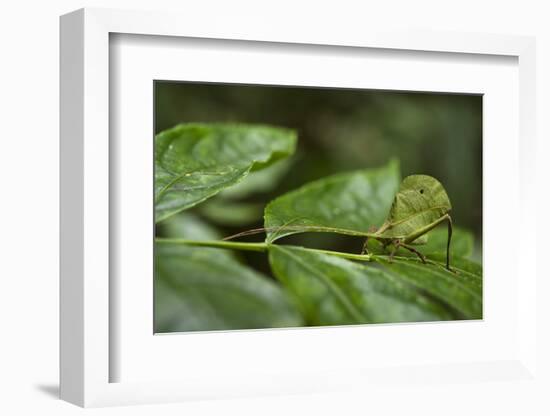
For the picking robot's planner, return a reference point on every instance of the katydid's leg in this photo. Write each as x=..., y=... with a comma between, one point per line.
x=365, y=249
x=396, y=244
x=449, y=235
x=413, y=236
x=413, y=250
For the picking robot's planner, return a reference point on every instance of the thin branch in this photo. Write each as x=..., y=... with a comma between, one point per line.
x=260, y=247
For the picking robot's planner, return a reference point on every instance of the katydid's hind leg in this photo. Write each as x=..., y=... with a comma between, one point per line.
x=449, y=235
x=413, y=236
x=421, y=256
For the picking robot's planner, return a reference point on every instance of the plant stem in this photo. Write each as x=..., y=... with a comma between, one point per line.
x=215, y=244
x=261, y=247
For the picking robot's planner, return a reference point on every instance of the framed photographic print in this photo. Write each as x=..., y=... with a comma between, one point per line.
x=266, y=213
x=213, y=178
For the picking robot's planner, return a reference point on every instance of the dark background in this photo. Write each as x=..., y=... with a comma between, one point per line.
x=340, y=130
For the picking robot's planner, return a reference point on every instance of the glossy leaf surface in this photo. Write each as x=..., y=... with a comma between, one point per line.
x=352, y=203
x=201, y=289
x=335, y=291
x=460, y=289
x=194, y=162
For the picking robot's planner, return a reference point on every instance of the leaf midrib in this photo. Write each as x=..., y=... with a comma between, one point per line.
x=352, y=310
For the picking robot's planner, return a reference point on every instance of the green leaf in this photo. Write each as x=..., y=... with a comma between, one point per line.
x=204, y=288
x=187, y=225
x=350, y=203
x=194, y=162
x=460, y=264
x=232, y=213
x=264, y=180
x=335, y=291
x=461, y=289
x=197, y=289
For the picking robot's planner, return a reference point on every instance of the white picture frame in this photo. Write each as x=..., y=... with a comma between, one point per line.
x=88, y=306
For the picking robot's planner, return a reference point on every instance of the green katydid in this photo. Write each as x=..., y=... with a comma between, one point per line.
x=419, y=205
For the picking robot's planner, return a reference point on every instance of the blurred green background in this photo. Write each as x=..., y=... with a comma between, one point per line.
x=338, y=130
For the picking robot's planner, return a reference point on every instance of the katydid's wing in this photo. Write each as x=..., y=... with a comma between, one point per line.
x=420, y=201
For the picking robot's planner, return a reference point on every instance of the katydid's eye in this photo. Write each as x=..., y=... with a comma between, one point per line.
x=422, y=191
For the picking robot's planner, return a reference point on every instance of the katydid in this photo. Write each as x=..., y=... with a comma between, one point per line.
x=419, y=205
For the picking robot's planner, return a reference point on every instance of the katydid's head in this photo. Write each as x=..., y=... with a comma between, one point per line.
x=420, y=195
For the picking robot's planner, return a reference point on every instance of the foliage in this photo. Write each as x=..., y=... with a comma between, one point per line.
x=208, y=288
x=344, y=129
x=194, y=162
x=349, y=203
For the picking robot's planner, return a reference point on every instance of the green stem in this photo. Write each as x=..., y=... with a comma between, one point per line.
x=261, y=247
x=215, y=244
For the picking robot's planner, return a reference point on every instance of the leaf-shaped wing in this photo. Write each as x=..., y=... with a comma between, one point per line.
x=420, y=201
